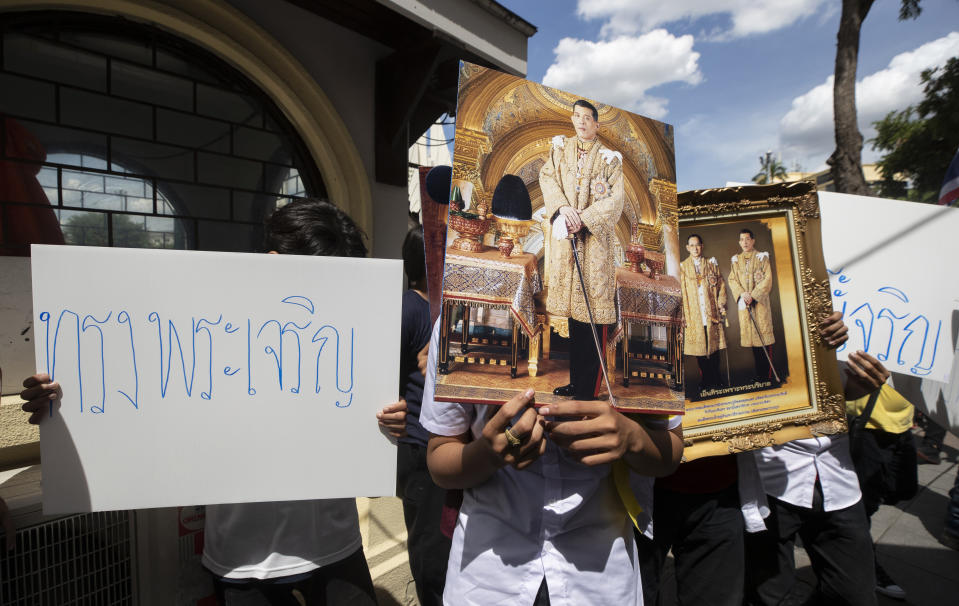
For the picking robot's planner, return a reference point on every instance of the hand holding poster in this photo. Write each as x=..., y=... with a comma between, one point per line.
x=200, y=377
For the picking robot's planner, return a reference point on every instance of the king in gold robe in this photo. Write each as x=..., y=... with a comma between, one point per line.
x=704, y=306
x=704, y=311
x=582, y=185
x=597, y=193
x=750, y=280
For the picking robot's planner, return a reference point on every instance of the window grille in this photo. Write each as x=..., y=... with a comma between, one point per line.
x=81, y=560
x=149, y=141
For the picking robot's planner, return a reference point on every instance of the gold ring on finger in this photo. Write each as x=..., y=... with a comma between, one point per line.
x=511, y=438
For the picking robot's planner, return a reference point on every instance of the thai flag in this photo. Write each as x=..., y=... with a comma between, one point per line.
x=950, y=184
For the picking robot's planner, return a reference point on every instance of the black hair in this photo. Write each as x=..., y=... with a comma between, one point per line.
x=587, y=105
x=310, y=226
x=747, y=231
x=414, y=254
x=697, y=236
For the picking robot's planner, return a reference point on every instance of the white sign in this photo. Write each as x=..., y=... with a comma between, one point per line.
x=892, y=272
x=200, y=377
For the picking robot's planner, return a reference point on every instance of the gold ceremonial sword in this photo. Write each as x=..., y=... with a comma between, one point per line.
x=749, y=308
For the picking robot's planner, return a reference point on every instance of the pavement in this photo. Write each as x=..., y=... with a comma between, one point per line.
x=906, y=537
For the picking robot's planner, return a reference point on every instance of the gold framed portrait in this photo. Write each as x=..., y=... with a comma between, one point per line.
x=756, y=371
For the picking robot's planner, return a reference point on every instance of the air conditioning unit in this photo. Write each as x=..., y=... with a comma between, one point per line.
x=77, y=559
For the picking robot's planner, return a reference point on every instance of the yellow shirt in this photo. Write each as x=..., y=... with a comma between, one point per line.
x=892, y=413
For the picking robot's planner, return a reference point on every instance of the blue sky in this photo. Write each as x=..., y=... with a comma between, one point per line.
x=735, y=77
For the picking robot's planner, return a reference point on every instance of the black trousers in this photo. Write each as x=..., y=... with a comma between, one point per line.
x=585, y=372
x=428, y=547
x=709, y=370
x=344, y=582
x=763, y=370
x=705, y=532
x=839, y=547
x=952, y=510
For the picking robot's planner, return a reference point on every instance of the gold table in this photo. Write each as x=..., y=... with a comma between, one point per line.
x=486, y=279
x=650, y=302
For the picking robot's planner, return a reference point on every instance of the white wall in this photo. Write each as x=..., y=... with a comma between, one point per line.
x=16, y=322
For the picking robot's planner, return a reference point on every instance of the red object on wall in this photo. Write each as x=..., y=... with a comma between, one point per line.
x=26, y=216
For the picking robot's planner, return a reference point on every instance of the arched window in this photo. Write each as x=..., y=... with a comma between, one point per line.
x=121, y=134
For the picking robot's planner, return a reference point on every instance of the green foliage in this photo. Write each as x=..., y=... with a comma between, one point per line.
x=909, y=9
x=920, y=141
x=90, y=229
x=770, y=171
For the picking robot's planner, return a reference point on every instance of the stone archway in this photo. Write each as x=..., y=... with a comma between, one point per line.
x=224, y=31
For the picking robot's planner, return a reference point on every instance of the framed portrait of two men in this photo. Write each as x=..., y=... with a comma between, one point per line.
x=755, y=288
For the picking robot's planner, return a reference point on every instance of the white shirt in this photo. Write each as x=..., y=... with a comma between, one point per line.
x=702, y=295
x=279, y=539
x=788, y=472
x=556, y=518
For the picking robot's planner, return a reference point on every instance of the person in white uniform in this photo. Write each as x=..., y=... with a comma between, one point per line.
x=286, y=553
x=807, y=488
x=541, y=520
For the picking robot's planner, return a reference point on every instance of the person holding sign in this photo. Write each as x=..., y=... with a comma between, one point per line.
x=541, y=520
x=291, y=552
x=704, y=310
x=698, y=516
x=428, y=547
x=809, y=487
x=582, y=185
x=750, y=280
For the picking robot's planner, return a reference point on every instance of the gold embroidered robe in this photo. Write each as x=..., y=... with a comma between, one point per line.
x=700, y=339
x=600, y=204
x=752, y=273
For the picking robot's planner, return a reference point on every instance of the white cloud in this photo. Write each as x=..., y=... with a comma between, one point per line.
x=620, y=71
x=746, y=17
x=806, y=131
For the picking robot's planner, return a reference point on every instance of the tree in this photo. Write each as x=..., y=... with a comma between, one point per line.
x=770, y=170
x=921, y=140
x=90, y=229
x=846, y=160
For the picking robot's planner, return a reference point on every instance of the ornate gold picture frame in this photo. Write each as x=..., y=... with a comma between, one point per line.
x=765, y=375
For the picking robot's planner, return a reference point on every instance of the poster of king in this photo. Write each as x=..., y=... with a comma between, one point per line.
x=562, y=257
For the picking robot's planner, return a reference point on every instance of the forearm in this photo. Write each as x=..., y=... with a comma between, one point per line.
x=735, y=288
x=654, y=452
x=455, y=463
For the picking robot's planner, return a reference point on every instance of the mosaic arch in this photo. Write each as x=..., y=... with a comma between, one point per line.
x=506, y=125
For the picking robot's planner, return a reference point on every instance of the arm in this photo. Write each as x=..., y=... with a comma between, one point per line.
x=833, y=330
x=734, y=285
x=42, y=396
x=597, y=433
x=687, y=311
x=865, y=373
x=549, y=184
x=457, y=462
x=720, y=293
x=392, y=418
